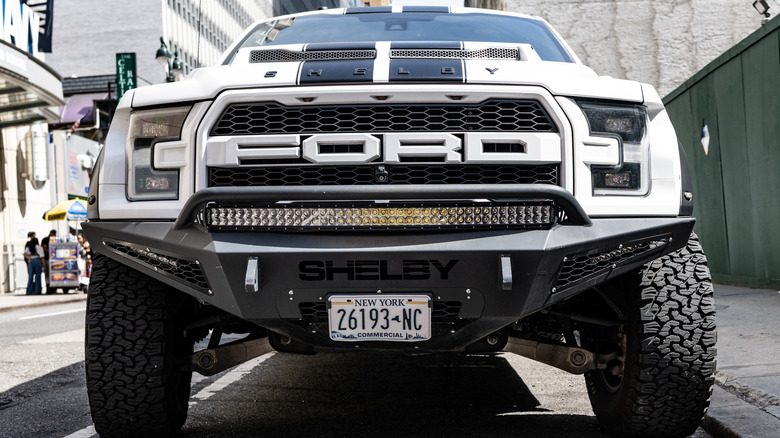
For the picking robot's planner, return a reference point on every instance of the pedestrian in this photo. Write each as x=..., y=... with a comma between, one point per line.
x=33, y=253
x=85, y=255
x=45, y=245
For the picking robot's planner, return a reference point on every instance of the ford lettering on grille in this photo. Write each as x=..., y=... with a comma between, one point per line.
x=359, y=148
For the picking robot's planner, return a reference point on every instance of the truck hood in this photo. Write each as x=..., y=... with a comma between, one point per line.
x=390, y=63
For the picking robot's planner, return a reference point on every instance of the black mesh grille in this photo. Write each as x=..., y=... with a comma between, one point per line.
x=277, y=55
x=273, y=118
x=581, y=267
x=487, y=53
x=184, y=270
x=443, y=311
x=314, y=312
x=387, y=174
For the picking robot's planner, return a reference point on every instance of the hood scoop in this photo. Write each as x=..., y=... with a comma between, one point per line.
x=395, y=50
x=283, y=55
x=512, y=53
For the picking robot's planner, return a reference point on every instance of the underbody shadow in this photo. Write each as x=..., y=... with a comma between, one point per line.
x=383, y=395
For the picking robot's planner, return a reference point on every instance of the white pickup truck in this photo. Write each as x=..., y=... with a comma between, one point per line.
x=405, y=179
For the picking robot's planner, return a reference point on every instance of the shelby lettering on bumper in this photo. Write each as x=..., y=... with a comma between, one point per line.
x=360, y=270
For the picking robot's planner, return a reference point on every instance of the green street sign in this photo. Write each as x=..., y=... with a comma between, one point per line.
x=125, y=73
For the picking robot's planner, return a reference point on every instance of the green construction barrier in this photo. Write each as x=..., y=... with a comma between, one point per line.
x=737, y=181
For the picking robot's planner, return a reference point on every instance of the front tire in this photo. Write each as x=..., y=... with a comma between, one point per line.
x=138, y=375
x=662, y=385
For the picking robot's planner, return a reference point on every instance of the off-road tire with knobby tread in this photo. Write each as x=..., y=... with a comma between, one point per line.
x=669, y=335
x=137, y=381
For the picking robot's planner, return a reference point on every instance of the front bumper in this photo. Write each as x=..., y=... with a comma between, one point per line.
x=480, y=281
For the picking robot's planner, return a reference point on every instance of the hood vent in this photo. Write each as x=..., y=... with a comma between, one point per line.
x=485, y=53
x=281, y=55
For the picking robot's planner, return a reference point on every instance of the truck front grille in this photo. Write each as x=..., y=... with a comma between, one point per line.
x=382, y=174
x=493, y=115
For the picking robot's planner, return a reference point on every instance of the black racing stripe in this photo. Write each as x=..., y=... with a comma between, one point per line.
x=425, y=45
x=358, y=45
x=300, y=66
x=440, y=9
x=439, y=70
x=313, y=72
x=369, y=10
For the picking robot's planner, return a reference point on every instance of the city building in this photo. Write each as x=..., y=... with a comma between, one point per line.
x=84, y=45
x=55, y=114
x=29, y=88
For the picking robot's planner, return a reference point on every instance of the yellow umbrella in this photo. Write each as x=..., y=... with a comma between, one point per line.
x=72, y=210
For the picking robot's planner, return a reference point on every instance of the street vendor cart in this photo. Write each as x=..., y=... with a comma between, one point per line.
x=65, y=270
x=64, y=264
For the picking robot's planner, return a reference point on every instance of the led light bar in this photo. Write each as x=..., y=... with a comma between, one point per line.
x=537, y=214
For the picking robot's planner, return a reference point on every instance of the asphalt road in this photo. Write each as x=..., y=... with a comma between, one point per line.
x=370, y=394
x=39, y=341
x=42, y=391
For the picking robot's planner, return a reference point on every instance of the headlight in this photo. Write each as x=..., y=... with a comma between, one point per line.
x=627, y=123
x=146, y=129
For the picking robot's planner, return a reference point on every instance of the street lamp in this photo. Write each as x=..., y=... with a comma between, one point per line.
x=174, y=69
x=762, y=8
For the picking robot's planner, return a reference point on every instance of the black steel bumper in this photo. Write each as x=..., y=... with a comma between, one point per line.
x=480, y=281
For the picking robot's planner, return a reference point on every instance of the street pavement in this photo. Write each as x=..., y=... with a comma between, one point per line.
x=746, y=399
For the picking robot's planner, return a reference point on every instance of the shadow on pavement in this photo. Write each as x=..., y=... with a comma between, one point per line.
x=53, y=405
x=383, y=395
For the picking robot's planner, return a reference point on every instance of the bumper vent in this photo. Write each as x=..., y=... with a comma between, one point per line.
x=443, y=311
x=185, y=271
x=579, y=268
x=490, y=116
x=387, y=174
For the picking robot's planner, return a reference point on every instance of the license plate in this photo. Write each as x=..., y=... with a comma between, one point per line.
x=399, y=318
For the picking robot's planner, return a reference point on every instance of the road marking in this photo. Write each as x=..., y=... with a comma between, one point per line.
x=59, y=338
x=87, y=432
x=231, y=377
x=197, y=378
x=52, y=314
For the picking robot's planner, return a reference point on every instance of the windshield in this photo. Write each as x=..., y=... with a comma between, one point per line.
x=369, y=27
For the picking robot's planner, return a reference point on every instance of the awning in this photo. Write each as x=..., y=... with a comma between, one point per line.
x=81, y=107
x=28, y=88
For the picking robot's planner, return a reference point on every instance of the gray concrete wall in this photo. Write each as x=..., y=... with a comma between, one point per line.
x=660, y=42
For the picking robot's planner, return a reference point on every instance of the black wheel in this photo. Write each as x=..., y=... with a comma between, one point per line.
x=662, y=383
x=137, y=354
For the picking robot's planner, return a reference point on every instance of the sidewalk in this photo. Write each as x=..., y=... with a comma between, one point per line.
x=746, y=398
x=13, y=302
